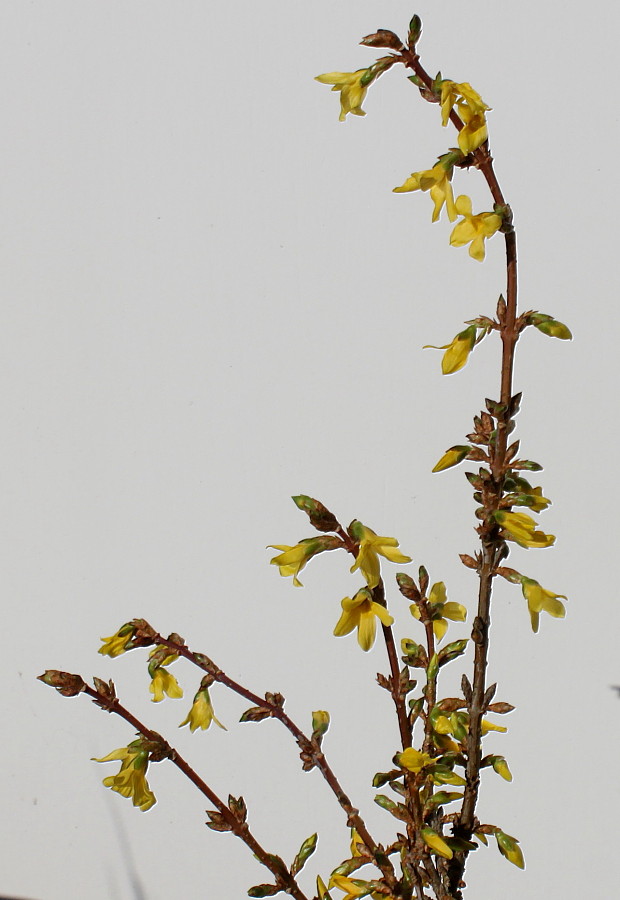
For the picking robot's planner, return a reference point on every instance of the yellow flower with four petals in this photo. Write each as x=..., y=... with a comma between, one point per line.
x=539, y=599
x=362, y=612
x=472, y=229
x=372, y=545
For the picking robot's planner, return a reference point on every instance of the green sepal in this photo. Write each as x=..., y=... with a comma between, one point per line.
x=305, y=852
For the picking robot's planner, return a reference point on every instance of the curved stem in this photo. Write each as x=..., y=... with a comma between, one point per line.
x=283, y=877
x=493, y=547
x=276, y=711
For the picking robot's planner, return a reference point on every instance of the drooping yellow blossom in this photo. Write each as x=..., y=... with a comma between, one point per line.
x=473, y=229
x=441, y=609
x=162, y=682
x=371, y=546
x=201, y=714
x=293, y=559
x=352, y=86
x=437, y=181
x=131, y=779
x=539, y=599
x=463, y=92
x=361, y=612
x=435, y=842
x=521, y=528
x=452, y=457
x=414, y=760
x=118, y=643
x=474, y=132
x=457, y=351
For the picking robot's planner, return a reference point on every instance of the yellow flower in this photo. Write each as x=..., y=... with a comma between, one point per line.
x=414, y=760
x=118, y=643
x=293, y=559
x=371, y=545
x=441, y=609
x=457, y=351
x=452, y=457
x=131, y=779
x=352, y=90
x=473, y=229
x=451, y=92
x=437, y=181
x=162, y=682
x=474, y=132
x=538, y=599
x=361, y=612
x=521, y=528
x=201, y=714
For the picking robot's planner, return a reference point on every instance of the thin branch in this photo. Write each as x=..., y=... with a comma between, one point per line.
x=283, y=876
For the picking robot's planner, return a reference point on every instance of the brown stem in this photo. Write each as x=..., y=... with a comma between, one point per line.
x=354, y=819
x=282, y=875
x=492, y=543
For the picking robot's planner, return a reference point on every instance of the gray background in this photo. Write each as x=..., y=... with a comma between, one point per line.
x=211, y=301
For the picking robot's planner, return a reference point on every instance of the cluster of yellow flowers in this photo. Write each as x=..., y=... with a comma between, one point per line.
x=473, y=133
x=131, y=779
x=361, y=611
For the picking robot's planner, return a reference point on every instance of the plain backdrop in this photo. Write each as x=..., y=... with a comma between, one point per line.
x=212, y=300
